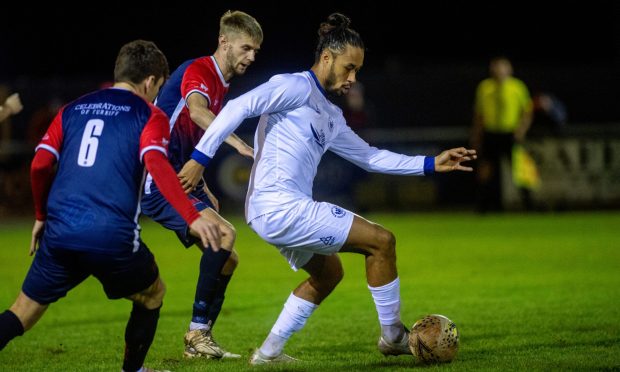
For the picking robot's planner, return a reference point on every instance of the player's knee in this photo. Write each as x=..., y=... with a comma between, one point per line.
x=386, y=242
x=155, y=297
x=231, y=263
x=229, y=235
x=383, y=239
x=325, y=284
x=337, y=276
x=333, y=276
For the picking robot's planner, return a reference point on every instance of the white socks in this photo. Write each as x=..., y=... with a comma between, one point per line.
x=193, y=326
x=296, y=312
x=293, y=317
x=387, y=302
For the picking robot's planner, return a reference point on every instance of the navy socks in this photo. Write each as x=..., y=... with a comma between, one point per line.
x=10, y=327
x=218, y=298
x=139, y=335
x=210, y=286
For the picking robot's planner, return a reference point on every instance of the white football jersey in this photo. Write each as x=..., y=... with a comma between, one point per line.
x=298, y=125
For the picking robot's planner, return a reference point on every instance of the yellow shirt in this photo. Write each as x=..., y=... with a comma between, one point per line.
x=501, y=105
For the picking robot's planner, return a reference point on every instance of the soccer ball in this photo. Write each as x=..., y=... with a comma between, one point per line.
x=434, y=339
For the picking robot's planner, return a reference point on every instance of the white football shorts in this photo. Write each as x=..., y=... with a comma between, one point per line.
x=306, y=228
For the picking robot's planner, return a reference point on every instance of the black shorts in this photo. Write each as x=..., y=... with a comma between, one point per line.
x=55, y=271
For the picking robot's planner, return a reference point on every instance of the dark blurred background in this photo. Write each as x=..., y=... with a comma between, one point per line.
x=421, y=70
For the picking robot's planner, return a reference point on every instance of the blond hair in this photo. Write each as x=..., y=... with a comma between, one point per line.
x=234, y=22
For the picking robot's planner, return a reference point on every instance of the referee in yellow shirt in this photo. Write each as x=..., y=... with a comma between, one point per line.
x=502, y=116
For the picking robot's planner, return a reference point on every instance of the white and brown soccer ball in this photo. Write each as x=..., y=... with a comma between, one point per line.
x=434, y=339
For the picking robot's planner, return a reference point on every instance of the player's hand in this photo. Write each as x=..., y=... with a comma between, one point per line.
x=212, y=198
x=13, y=103
x=209, y=232
x=246, y=151
x=450, y=160
x=37, y=231
x=190, y=175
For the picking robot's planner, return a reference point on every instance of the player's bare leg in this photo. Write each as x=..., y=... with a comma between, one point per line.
x=379, y=247
x=27, y=310
x=325, y=274
x=216, y=269
x=21, y=316
x=152, y=297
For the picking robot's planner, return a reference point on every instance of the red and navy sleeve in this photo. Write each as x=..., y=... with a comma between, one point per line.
x=156, y=133
x=52, y=140
x=42, y=166
x=197, y=79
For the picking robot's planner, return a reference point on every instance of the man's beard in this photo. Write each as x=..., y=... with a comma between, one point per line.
x=330, y=82
x=231, y=62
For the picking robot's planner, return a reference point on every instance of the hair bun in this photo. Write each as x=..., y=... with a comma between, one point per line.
x=339, y=20
x=334, y=21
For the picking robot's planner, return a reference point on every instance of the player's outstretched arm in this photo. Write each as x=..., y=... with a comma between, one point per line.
x=242, y=148
x=450, y=160
x=203, y=117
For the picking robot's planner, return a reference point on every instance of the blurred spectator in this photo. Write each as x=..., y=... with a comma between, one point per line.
x=358, y=112
x=550, y=115
x=11, y=185
x=12, y=105
x=502, y=117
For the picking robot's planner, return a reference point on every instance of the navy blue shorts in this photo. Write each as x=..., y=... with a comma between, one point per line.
x=155, y=206
x=55, y=271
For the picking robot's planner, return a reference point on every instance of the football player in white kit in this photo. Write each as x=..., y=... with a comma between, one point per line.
x=298, y=125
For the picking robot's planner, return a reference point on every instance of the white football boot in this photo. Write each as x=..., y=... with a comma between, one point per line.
x=258, y=358
x=395, y=348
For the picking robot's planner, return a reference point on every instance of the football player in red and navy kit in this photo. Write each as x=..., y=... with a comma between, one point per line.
x=192, y=97
x=87, y=212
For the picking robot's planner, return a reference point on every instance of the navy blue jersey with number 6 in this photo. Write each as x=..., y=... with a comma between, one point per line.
x=99, y=141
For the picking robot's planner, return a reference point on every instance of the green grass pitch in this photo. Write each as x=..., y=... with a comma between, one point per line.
x=527, y=292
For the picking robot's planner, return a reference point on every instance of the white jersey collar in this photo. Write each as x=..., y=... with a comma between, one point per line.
x=219, y=72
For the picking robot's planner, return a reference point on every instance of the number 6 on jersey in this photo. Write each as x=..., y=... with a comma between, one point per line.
x=88, y=148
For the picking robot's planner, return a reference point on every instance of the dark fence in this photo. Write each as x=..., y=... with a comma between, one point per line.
x=416, y=110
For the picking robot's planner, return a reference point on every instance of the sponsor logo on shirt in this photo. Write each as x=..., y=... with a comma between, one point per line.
x=328, y=240
x=319, y=136
x=204, y=87
x=338, y=212
x=163, y=141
